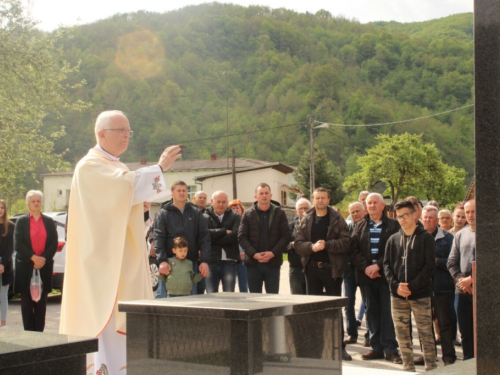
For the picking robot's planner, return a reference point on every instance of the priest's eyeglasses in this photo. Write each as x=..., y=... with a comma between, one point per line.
x=123, y=131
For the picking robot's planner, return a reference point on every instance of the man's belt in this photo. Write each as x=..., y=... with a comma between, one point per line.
x=321, y=264
x=230, y=261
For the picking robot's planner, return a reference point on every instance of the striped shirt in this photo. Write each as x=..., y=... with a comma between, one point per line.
x=375, y=234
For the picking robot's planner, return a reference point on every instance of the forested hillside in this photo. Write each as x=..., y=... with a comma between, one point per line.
x=167, y=72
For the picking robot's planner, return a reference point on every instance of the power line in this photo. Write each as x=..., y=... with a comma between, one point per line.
x=237, y=134
x=394, y=122
x=321, y=123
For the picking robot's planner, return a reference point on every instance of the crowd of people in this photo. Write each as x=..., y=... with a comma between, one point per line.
x=402, y=265
x=419, y=263
x=415, y=264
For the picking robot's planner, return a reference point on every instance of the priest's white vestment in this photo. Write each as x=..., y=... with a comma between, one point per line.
x=106, y=258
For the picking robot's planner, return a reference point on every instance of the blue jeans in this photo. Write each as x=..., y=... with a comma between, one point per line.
x=379, y=317
x=241, y=270
x=161, y=292
x=264, y=274
x=454, y=318
x=223, y=271
x=362, y=310
x=466, y=324
x=350, y=293
x=297, y=280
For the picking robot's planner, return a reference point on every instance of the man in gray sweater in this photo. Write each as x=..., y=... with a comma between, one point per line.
x=460, y=267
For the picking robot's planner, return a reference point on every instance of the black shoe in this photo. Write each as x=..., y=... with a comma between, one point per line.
x=457, y=343
x=394, y=358
x=438, y=342
x=358, y=322
x=346, y=356
x=419, y=361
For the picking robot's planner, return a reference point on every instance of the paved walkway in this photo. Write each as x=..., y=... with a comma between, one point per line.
x=355, y=367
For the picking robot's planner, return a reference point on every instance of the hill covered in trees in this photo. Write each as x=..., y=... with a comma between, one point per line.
x=168, y=73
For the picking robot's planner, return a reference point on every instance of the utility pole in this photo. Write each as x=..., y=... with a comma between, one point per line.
x=234, y=175
x=310, y=121
x=227, y=122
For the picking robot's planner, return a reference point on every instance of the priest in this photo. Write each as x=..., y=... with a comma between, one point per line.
x=106, y=258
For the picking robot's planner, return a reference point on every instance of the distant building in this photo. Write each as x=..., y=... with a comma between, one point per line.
x=277, y=175
x=200, y=174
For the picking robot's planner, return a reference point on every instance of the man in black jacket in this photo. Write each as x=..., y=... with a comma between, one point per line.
x=223, y=225
x=296, y=276
x=179, y=218
x=409, y=264
x=264, y=235
x=323, y=241
x=367, y=254
x=443, y=286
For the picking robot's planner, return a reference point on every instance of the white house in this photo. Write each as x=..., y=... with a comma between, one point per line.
x=199, y=174
x=277, y=175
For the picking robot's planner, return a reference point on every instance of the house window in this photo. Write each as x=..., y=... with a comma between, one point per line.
x=283, y=197
x=191, y=192
x=59, y=193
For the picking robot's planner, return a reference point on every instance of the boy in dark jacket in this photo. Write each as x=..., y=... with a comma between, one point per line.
x=409, y=264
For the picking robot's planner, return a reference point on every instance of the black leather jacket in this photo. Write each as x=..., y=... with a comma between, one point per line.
x=337, y=241
x=220, y=238
x=293, y=258
x=360, y=251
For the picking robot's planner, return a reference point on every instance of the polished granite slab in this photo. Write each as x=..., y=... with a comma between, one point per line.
x=226, y=305
x=235, y=333
x=23, y=352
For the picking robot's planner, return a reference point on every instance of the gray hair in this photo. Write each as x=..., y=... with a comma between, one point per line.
x=219, y=192
x=364, y=192
x=302, y=200
x=379, y=196
x=356, y=204
x=104, y=119
x=32, y=193
x=470, y=201
x=445, y=212
x=430, y=208
x=198, y=193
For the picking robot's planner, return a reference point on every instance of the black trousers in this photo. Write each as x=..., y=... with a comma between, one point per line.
x=321, y=278
x=318, y=279
x=442, y=311
x=33, y=313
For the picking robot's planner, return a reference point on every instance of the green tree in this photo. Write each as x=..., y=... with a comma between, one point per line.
x=407, y=166
x=32, y=85
x=326, y=175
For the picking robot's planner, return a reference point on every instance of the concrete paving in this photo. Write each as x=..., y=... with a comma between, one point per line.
x=355, y=367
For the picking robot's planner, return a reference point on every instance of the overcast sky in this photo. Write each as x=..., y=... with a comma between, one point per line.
x=53, y=13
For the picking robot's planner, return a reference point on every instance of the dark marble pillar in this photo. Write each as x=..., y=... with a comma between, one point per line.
x=487, y=137
x=246, y=344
